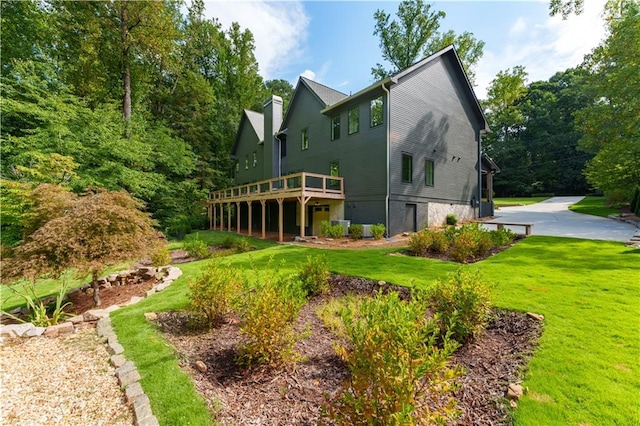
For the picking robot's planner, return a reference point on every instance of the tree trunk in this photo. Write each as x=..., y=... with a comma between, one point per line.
x=96, y=290
x=126, y=72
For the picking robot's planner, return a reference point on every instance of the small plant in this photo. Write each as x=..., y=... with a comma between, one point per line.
x=378, y=230
x=160, y=256
x=399, y=375
x=330, y=313
x=336, y=231
x=462, y=304
x=228, y=242
x=270, y=330
x=242, y=245
x=451, y=219
x=39, y=313
x=325, y=228
x=420, y=242
x=196, y=248
x=214, y=291
x=356, y=231
x=314, y=275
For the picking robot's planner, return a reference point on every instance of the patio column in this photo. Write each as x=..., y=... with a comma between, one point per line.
x=228, y=217
x=303, y=203
x=264, y=234
x=221, y=215
x=249, y=204
x=210, y=213
x=238, y=217
x=280, y=220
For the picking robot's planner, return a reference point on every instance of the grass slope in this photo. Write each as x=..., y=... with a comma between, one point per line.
x=594, y=206
x=517, y=201
x=585, y=372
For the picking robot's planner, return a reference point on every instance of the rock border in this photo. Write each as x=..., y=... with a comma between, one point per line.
x=126, y=371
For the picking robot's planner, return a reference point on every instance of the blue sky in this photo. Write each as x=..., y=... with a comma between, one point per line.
x=332, y=42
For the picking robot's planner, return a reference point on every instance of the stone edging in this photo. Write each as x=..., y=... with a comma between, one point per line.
x=125, y=371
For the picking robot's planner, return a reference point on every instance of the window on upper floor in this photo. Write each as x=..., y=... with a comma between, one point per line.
x=376, y=111
x=354, y=120
x=304, y=139
x=237, y=166
x=255, y=158
x=335, y=128
x=407, y=168
x=246, y=162
x=429, y=168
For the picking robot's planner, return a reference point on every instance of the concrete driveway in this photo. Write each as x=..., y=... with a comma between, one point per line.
x=552, y=217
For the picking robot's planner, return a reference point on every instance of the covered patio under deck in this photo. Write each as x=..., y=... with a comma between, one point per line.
x=302, y=187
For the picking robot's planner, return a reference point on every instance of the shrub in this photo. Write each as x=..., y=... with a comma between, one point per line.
x=196, y=248
x=356, y=231
x=336, y=231
x=502, y=237
x=325, y=228
x=439, y=242
x=398, y=373
x=268, y=313
x=160, y=256
x=463, y=248
x=214, y=291
x=242, y=245
x=228, y=242
x=420, y=242
x=314, y=275
x=378, y=230
x=451, y=219
x=462, y=304
x=635, y=200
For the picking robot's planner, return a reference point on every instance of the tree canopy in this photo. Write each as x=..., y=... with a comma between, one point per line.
x=414, y=36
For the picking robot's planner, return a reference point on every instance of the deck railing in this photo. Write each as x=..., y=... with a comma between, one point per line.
x=291, y=185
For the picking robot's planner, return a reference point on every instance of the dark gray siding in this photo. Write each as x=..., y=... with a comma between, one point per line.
x=432, y=117
x=247, y=144
x=362, y=155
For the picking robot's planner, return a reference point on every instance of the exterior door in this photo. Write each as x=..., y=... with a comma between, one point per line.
x=320, y=213
x=410, y=218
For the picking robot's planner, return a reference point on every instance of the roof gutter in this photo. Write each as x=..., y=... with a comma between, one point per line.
x=382, y=83
x=388, y=144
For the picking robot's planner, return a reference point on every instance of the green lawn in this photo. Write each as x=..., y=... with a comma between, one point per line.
x=595, y=206
x=586, y=370
x=517, y=201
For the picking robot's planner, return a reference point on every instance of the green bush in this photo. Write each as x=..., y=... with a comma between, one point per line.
x=336, y=231
x=39, y=314
x=213, y=293
x=451, y=219
x=420, y=242
x=242, y=245
x=399, y=375
x=502, y=237
x=464, y=247
x=356, y=231
x=462, y=304
x=635, y=200
x=439, y=242
x=325, y=228
x=268, y=312
x=228, y=242
x=314, y=275
x=196, y=248
x=161, y=256
x=378, y=230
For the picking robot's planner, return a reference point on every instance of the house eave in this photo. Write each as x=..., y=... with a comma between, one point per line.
x=387, y=81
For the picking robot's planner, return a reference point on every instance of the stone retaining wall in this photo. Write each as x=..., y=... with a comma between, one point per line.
x=125, y=370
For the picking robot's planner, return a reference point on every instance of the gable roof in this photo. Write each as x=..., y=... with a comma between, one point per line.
x=450, y=51
x=256, y=121
x=327, y=95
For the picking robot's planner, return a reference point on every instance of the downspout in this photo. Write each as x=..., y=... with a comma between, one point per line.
x=480, y=133
x=388, y=123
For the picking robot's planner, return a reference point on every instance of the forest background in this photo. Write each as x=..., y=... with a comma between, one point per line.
x=146, y=97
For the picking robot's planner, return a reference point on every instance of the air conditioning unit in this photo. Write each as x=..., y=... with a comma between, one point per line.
x=366, y=231
x=345, y=224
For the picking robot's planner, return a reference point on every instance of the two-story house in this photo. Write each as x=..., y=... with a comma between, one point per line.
x=405, y=152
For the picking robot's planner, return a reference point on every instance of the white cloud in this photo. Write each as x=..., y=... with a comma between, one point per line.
x=545, y=48
x=279, y=30
x=308, y=74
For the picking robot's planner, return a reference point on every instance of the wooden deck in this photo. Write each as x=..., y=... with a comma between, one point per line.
x=302, y=187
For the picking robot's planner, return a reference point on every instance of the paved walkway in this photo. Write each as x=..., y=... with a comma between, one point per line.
x=552, y=217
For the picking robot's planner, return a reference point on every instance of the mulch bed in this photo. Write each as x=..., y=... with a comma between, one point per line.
x=282, y=397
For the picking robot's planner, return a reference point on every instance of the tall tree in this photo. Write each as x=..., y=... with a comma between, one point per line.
x=565, y=7
x=506, y=119
x=551, y=136
x=414, y=35
x=282, y=88
x=610, y=123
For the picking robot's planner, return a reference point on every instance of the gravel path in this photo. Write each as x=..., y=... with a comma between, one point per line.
x=61, y=381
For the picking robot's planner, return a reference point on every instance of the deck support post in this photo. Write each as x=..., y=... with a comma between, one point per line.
x=249, y=204
x=303, y=204
x=280, y=219
x=237, y=217
x=264, y=213
x=210, y=214
x=228, y=217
